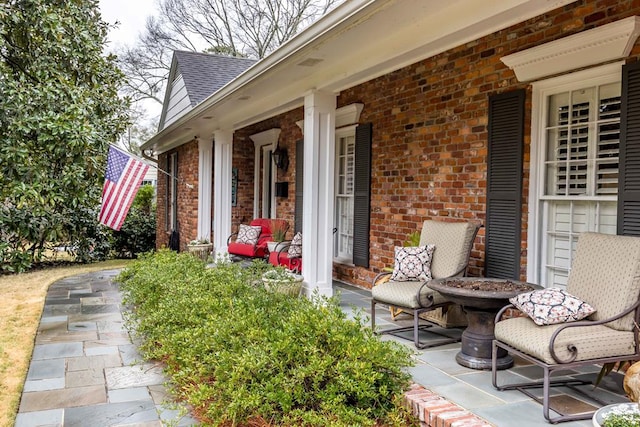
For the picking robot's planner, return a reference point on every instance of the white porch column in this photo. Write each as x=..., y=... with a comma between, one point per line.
x=223, y=145
x=205, y=160
x=318, y=188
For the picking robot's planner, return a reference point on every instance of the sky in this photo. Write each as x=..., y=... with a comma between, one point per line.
x=131, y=16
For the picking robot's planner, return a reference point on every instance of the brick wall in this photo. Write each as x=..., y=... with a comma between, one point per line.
x=430, y=132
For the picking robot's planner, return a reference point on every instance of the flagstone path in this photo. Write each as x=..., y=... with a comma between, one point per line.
x=86, y=370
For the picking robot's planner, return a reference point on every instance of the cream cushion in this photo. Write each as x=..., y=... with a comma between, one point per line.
x=405, y=294
x=592, y=342
x=453, y=242
x=606, y=274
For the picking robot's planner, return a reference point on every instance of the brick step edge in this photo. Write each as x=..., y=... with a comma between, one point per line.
x=435, y=411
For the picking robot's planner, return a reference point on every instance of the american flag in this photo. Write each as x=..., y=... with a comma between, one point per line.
x=122, y=180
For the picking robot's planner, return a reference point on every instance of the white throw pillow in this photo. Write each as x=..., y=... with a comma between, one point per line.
x=412, y=263
x=551, y=306
x=248, y=234
x=295, y=248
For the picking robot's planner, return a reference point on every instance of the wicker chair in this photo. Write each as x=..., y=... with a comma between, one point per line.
x=605, y=274
x=453, y=242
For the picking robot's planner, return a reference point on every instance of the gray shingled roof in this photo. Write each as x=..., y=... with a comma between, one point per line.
x=204, y=73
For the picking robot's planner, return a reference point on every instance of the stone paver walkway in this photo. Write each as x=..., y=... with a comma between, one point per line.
x=85, y=369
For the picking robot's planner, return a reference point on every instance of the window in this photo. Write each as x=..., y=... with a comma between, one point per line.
x=579, y=127
x=345, y=162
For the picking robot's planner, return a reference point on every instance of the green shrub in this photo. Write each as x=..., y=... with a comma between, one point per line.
x=236, y=352
x=138, y=232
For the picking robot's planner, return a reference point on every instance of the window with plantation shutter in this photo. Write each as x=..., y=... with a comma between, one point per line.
x=579, y=121
x=345, y=178
x=352, y=194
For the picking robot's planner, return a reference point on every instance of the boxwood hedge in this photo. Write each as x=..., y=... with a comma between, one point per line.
x=239, y=354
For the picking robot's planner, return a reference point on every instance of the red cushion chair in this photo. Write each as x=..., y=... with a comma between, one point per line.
x=258, y=250
x=285, y=258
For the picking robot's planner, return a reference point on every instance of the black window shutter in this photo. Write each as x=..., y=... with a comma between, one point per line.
x=176, y=184
x=362, y=193
x=167, y=194
x=629, y=172
x=297, y=222
x=504, y=185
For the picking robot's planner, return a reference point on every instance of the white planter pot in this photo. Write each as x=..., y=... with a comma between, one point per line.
x=290, y=286
x=276, y=246
x=627, y=408
x=202, y=251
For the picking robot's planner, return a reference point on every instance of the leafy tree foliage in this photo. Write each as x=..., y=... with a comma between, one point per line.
x=245, y=28
x=59, y=109
x=138, y=233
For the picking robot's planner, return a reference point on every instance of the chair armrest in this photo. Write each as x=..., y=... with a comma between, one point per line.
x=284, y=246
x=379, y=276
x=572, y=349
x=229, y=238
x=502, y=310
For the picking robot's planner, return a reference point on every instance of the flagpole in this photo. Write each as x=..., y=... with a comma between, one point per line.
x=140, y=159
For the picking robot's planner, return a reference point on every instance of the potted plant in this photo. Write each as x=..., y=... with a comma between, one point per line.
x=278, y=234
x=200, y=248
x=279, y=279
x=617, y=415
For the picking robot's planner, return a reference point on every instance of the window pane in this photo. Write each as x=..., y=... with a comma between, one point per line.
x=609, y=101
x=558, y=110
x=581, y=101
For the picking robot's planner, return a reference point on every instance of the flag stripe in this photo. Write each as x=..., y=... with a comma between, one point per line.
x=132, y=181
x=123, y=200
x=118, y=195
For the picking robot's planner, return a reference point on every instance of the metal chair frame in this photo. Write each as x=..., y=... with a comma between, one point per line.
x=562, y=364
x=417, y=325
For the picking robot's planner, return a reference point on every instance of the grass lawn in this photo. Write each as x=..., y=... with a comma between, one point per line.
x=22, y=297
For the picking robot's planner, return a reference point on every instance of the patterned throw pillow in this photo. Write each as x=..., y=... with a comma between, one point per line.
x=412, y=263
x=551, y=306
x=295, y=248
x=248, y=234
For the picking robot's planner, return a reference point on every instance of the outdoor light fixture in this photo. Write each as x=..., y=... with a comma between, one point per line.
x=280, y=158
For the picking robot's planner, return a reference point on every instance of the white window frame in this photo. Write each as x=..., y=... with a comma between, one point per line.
x=537, y=221
x=264, y=184
x=268, y=183
x=343, y=132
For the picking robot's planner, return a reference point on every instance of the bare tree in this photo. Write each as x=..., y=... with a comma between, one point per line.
x=247, y=28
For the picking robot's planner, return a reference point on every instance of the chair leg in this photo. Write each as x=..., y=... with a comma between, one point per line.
x=446, y=339
x=546, y=385
x=373, y=315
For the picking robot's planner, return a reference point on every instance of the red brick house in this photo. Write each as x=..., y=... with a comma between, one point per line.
x=519, y=114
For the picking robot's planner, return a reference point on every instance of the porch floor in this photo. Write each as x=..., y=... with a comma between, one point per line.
x=436, y=370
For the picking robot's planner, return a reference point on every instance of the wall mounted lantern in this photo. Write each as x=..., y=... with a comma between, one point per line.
x=280, y=158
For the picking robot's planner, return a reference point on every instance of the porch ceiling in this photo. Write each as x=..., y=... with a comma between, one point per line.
x=356, y=42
